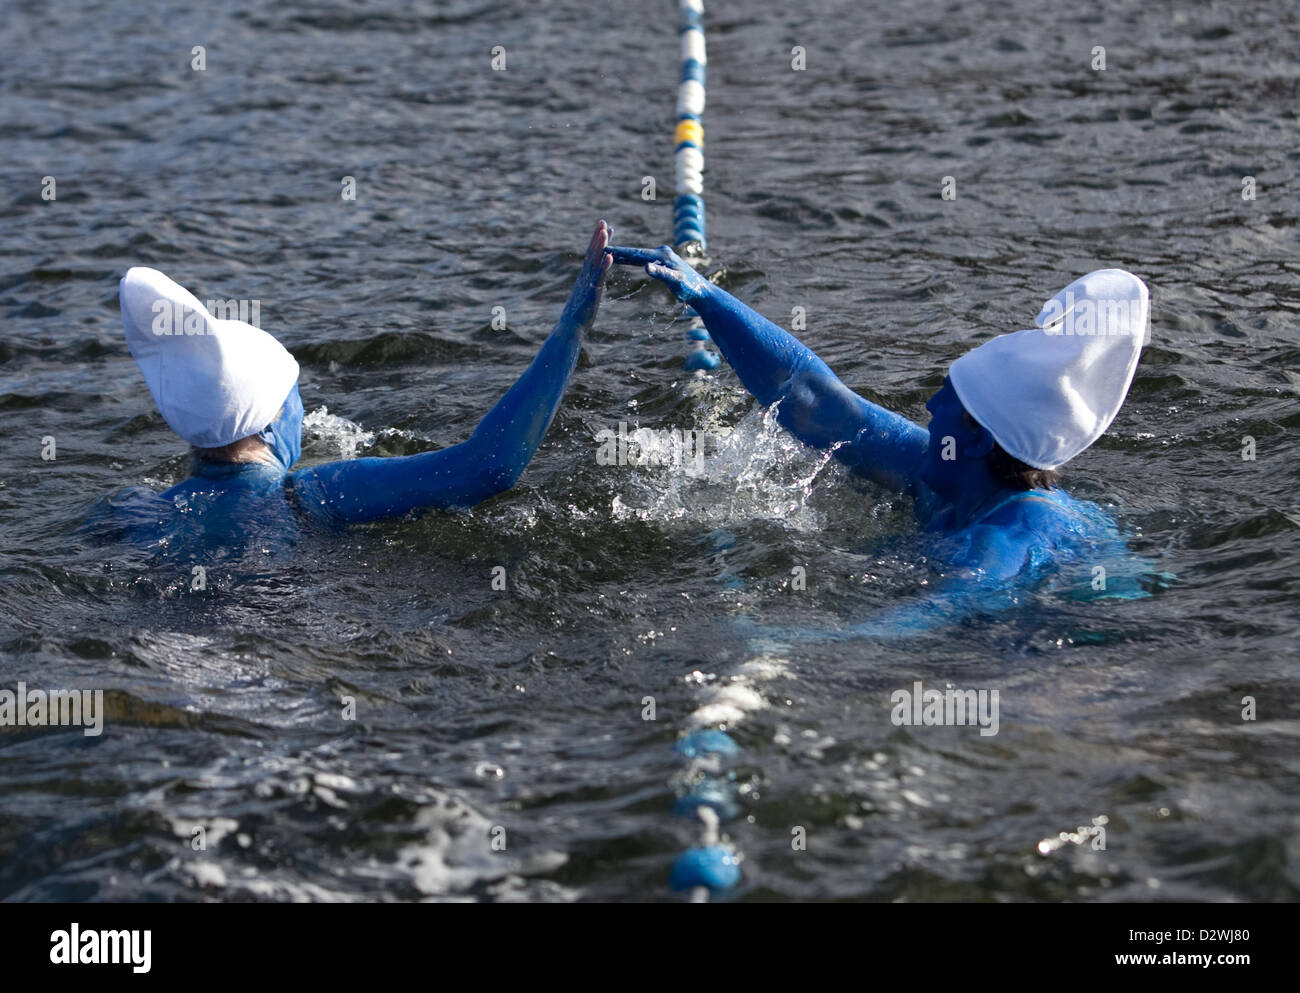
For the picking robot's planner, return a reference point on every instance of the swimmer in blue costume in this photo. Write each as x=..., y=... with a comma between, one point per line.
x=982, y=476
x=231, y=390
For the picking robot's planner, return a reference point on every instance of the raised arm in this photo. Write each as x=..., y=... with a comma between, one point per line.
x=494, y=456
x=814, y=405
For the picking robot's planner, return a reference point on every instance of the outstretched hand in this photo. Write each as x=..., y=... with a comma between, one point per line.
x=584, y=301
x=668, y=267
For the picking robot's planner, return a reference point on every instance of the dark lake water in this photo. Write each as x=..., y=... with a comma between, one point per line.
x=484, y=714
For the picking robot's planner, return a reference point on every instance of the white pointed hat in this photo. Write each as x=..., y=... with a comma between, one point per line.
x=215, y=381
x=1047, y=393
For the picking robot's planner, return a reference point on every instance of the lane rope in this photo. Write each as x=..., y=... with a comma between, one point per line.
x=689, y=238
x=712, y=866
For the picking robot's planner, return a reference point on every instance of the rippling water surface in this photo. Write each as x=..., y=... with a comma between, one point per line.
x=517, y=714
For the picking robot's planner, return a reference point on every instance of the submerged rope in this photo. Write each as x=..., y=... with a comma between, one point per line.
x=688, y=167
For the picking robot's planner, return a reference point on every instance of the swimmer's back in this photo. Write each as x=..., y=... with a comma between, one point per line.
x=222, y=509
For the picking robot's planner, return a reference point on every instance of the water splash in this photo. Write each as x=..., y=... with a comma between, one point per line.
x=754, y=471
x=331, y=436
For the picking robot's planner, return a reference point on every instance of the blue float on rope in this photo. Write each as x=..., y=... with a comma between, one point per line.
x=714, y=867
x=688, y=168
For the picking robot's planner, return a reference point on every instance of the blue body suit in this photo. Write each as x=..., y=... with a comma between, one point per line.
x=225, y=505
x=994, y=540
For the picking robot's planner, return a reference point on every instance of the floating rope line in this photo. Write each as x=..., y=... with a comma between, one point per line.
x=711, y=793
x=688, y=167
x=711, y=866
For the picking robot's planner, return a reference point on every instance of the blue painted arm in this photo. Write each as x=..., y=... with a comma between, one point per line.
x=494, y=456
x=815, y=406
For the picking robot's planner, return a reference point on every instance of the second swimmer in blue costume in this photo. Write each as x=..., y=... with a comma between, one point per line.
x=231, y=391
x=1009, y=413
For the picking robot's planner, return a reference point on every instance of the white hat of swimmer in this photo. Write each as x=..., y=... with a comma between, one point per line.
x=1047, y=393
x=215, y=381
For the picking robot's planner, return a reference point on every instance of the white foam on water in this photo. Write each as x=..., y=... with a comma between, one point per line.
x=207, y=875
x=337, y=435
x=728, y=703
x=765, y=667
x=754, y=471
x=457, y=852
